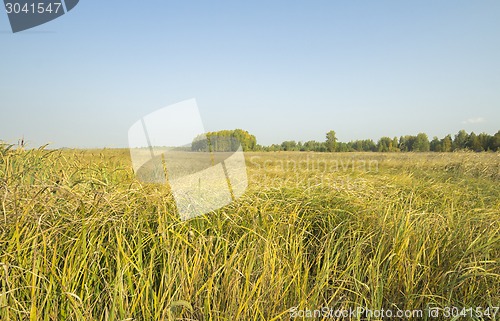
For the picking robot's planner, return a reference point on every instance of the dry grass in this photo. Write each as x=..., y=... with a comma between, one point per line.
x=82, y=239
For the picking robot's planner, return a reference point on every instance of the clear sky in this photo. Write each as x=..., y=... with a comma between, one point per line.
x=283, y=70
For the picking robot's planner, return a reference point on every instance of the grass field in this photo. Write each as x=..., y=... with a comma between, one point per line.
x=82, y=239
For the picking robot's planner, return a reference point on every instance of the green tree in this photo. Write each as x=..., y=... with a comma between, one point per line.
x=460, y=140
x=421, y=143
x=369, y=145
x=224, y=141
x=406, y=143
x=495, y=142
x=289, y=145
x=342, y=147
x=484, y=141
x=395, y=144
x=473, y=143
x=331, y=141
x=447, y=143
x=247, y=141
x=384, y=144
x=312, y=146
x=366, y=145
x=275, y=148
x=436, y=145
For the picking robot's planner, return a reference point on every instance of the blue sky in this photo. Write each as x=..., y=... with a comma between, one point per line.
x=283, y=70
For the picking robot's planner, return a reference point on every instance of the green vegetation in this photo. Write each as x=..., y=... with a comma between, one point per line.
x=407, y=143
x=224, y=141
x=82, y=239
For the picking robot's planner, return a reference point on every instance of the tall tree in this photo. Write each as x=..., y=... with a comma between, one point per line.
x=484, y=141
x=224, y=141
x=473, y=143
x=342, y=147
x=289, y=145
x=495, y=142
x=406, y=143
x=421, y=143
x=460, y=140
x=384, y=144
x=331, y=141
x=436, y=145
x=395, y=144
x=447, y=143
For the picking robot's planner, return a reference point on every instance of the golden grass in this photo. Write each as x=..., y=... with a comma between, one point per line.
x=82, y=239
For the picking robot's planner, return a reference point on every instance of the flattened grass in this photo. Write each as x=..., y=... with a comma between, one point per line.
x=82, y=239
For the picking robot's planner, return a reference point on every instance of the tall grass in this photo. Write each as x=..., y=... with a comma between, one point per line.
x=82, y=239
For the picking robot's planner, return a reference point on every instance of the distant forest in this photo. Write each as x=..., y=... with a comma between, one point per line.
x=229, y=140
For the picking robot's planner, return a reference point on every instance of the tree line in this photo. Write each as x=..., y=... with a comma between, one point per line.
x=408, y=143
x=224, y=141
x=230, y=140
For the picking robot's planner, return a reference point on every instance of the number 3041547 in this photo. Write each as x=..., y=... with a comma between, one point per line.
x=38, y=8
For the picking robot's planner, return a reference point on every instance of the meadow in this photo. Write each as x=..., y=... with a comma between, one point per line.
x=82, y=239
